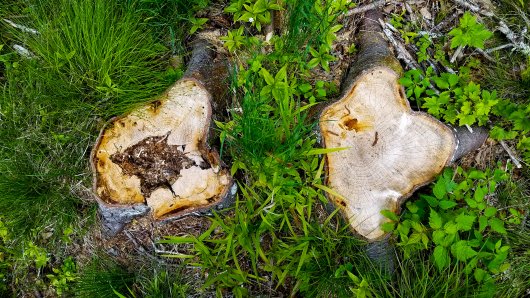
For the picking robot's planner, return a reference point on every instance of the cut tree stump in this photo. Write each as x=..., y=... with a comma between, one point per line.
x=156, y=159
x=391, y=150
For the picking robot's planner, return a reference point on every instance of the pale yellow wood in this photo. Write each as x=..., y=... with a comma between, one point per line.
x=391, y=149
x=183, y=113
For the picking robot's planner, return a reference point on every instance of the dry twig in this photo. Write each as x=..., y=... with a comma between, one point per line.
x=402, y=53
x=517, y=42
x=366, y=7
x=510, y=153
x=474, y=8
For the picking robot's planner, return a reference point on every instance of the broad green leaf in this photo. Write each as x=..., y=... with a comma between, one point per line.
x=462, y=251
x=432, y=201
x=480, y=193
x=387, y=226
x=390, y=215
x=490, y=211
x=438, y=236
x=497, y=225
x=267, y=76
x=451, y=227
x=444, y=204
x=441, y=257
x=441, y=83
x=439, y=189
x=465, y=222
x=435, y=220
x=281, y=75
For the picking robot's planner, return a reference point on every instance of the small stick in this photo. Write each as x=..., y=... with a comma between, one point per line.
x=486, y=55
x=508, y=45
x=366, y=7
x=474, y=8
x=457, y=53
x=510, y=153
x=400, y=48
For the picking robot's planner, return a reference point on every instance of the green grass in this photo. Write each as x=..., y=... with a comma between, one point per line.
x=100, y=48
x=101, y=277
x=97, y=59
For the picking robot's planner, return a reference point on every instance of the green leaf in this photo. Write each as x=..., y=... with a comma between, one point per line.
x=432, y=201
x=497, y=225
x=313, y=62
x=465, y=222
x=438, y=236
x=462, y=251
x=267, y=76
x=498, y=133
x=439, y=189
x=480, y=193
x=441, y=257
x=281, y=75
x=444, y=204
x=435, y=220
x=390, y=215
x=490, y=211
x=305, y=87
x=451, y=227
x=441, y=83
x=387, y=226
x=406, y=82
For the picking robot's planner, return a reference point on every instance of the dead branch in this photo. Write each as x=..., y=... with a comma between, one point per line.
x=516, y=40
x=511, y=154
x=402, y=52
x=366, y=7
x=474, y=8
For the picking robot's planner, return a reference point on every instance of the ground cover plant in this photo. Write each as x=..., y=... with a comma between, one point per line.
x=466, y=234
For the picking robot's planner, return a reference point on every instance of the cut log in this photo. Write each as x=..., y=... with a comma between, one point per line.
x=391, y=150
x=157, y=157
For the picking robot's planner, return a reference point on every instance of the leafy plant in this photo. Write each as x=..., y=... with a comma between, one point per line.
x=35, y=254
x=257, y=12
x=457, y=224
x=321, y=57
x=234, y=39
x=63, y=277
x=469, y=33
x=197, y=24
x=466, y=103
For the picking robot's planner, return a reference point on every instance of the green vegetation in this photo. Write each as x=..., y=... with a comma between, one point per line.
x=465, y=235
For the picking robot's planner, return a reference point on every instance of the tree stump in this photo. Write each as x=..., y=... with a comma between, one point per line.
x=156, y=159
x=391, y=150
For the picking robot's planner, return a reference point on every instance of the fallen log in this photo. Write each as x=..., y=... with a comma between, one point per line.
x=391, y=150
x=156, y=159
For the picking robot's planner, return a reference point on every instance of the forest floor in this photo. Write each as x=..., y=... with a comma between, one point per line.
x=67, y=67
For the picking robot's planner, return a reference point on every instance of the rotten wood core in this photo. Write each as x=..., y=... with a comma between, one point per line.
x=390, y=150
x=158, y=155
